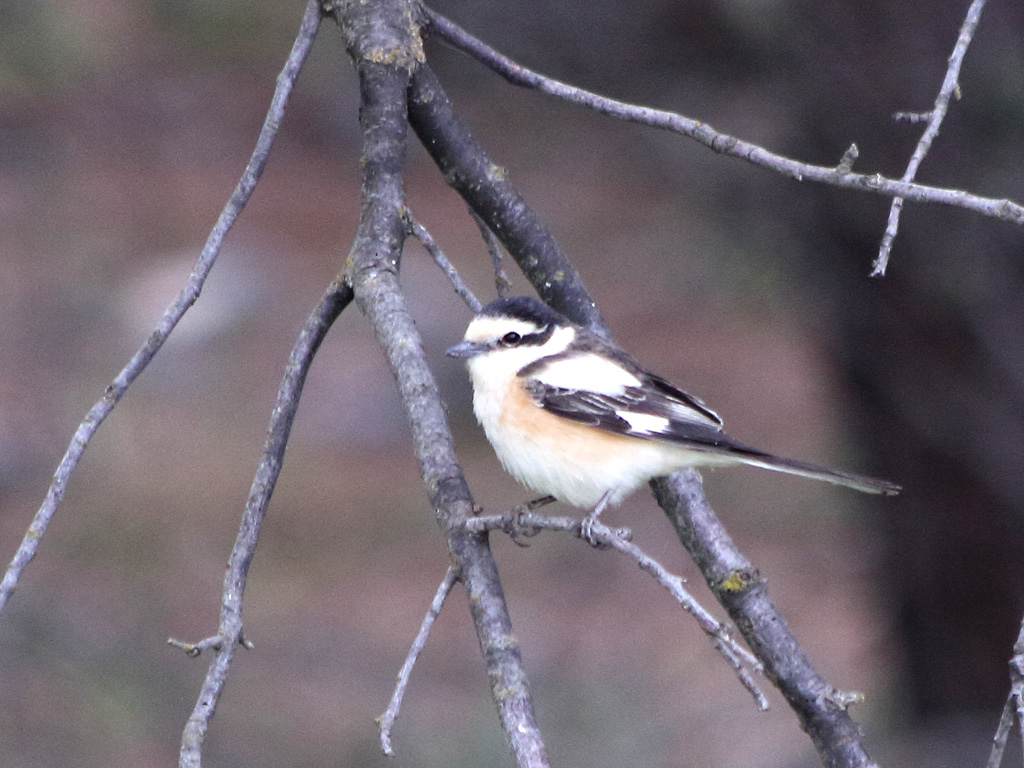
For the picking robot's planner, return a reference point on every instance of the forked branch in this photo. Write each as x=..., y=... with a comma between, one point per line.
x=723, y=143
x=934, y=118
x=521, y=522
x=372, y=271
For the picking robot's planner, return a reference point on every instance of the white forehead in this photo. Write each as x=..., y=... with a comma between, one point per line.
x=488, y=328
x=501, y=363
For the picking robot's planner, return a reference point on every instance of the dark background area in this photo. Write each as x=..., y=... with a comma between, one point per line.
x=123, y=128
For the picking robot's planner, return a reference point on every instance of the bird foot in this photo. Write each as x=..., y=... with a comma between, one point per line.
x=597, y=534
x=517, y=523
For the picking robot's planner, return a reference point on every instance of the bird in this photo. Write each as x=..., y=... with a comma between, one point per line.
x=572, y=416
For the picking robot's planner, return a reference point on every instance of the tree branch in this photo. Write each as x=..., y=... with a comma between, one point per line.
x=743, y=593
x=1013, y=710
x=501, y=282
x=173, y=314
x=490, y=195
x=950, y=85
x=521, y=522
x=229, y=631
x=387, y=720
x=420, y=232
x=723, y=143
x=372, y=269
x=486, y=188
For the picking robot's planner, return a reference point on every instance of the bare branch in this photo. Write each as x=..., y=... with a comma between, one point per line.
x=848, y=159
x=723, y=143
x=486, y=188
x=387, y=720
x=950, y=86
x=229, y=631
x=471, y=173
x=489, y=193
x=372, y=271
x=1014, y=707
x=501, y=282
x=1002, y=734
x=420, y=232
x=911, y=117
x=741, y=590
x=518, y=521
x=173, y=314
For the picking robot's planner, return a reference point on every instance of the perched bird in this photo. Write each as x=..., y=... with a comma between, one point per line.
x=571, y=415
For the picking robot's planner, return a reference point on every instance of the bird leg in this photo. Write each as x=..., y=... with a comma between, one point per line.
x=588, y=523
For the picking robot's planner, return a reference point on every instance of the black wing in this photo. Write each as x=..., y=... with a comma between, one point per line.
x=654, y=410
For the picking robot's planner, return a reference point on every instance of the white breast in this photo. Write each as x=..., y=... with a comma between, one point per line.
x=552, y=455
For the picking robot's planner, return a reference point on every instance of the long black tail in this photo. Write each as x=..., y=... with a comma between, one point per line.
x=758, y=458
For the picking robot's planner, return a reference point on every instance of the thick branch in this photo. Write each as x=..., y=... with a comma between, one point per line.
x=486, y=188
x=723, y=143
x=379, y=294
x=742, y=592
x=372, y=270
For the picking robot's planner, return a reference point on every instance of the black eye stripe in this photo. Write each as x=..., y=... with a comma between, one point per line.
x=528, y=339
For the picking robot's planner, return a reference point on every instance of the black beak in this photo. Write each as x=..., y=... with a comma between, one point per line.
x=467, y=349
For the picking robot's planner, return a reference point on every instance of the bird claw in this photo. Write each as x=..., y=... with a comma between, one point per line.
x=590, y=527
x=518, y=524
x=596, y=533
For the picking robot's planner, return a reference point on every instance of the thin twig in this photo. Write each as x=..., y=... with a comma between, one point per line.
x=387, y=720
x=229, y=631
x=173, y=314
x=723, y=143
x=911, y=117
x=501, y=282
x=519, y=521
x=420, y=232
x=848, y=159
x=950, y=86
x=1013, y=709
x=1002, y=734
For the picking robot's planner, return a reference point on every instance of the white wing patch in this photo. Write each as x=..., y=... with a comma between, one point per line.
x=645, y=423
x=591, y=373
x=686, y=412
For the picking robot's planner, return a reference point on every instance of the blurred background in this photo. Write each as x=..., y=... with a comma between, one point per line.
x=123, y=129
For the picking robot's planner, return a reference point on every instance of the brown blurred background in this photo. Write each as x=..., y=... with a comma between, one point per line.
x=123, y=128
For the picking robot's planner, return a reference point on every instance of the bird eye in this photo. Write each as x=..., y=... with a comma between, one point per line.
x=510, y=339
